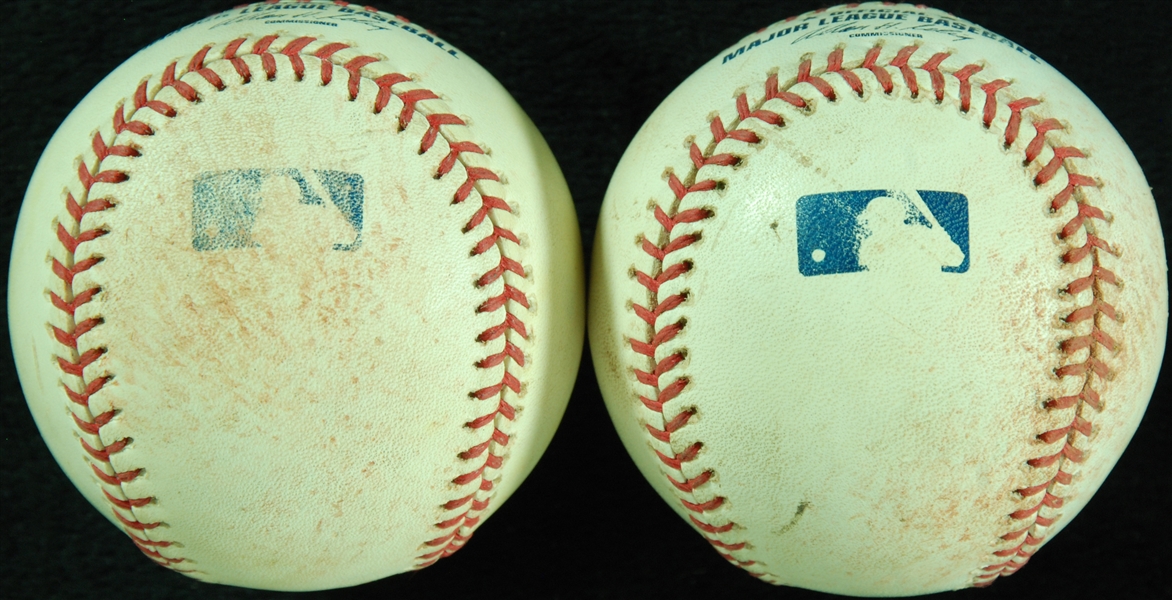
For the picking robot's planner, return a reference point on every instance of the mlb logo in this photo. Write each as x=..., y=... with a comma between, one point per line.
x=227, y=204
x=883, y=230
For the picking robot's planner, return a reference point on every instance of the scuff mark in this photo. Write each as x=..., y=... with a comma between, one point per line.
x=802, y=506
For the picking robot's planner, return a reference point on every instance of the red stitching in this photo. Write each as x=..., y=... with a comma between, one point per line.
x=660, y=376
x=1090, y=368
x=881, y=74
x=901, y=62
x=73, y=237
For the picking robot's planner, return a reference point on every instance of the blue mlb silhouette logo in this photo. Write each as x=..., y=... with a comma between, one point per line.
x=226, y=204
x=883, y=230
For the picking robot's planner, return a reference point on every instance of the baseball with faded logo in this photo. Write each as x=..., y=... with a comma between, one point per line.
x=878, y=299
x=296, y=297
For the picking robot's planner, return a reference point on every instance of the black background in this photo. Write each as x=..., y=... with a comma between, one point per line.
x=585, y=524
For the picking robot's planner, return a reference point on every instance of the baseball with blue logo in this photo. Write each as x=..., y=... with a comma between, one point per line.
x=296, y=297
x=878, y=299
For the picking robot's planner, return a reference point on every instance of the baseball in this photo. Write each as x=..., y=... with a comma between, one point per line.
x=296, y=297
x=878, y=299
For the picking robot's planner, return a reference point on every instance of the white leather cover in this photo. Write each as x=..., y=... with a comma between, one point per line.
x=296, y=296
x=878, y=299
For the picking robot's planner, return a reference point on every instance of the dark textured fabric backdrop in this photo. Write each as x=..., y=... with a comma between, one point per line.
x=585, y=524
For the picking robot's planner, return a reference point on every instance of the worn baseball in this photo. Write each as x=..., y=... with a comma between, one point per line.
x=878, y=299
x=296, y=297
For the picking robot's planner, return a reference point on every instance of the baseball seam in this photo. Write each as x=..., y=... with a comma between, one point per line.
x=1085, y=354
x=510, y=301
